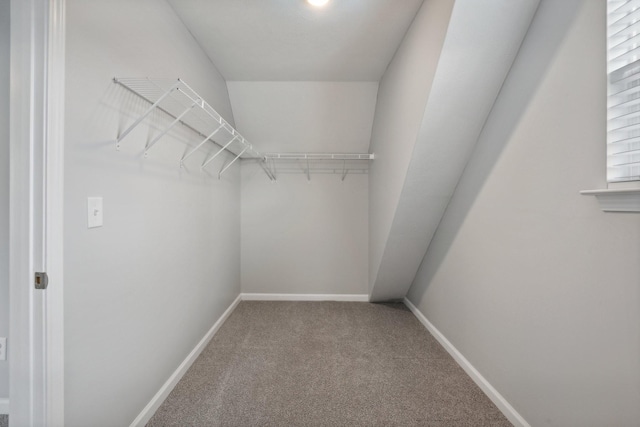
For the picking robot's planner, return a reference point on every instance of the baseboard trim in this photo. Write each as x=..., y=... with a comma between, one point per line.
x=305, y=297
x=4, y=406
x=493, y=394
x=143, y=418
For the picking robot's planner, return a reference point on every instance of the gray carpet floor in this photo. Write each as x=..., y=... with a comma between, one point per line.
x=4, y=420
x=325, y=364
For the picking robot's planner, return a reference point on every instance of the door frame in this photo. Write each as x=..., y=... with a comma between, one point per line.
x=36, y=341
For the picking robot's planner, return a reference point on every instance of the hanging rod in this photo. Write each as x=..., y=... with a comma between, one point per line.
x=269, y=160
x=319, y=156
x=180, y=102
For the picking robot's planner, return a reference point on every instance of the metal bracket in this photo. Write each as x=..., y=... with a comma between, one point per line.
x=164, y=132
x=231, y=162
x=186, y=156
x=41, y=280
x=265, y=168
x=219, y=152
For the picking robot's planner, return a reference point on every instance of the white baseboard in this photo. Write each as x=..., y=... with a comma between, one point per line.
x=143, y=418
x=493, y=394
x=305, y=297
x=4, y=406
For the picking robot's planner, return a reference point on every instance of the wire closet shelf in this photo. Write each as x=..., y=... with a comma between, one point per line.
x=184, y=106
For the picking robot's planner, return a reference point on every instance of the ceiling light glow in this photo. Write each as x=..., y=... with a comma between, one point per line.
x=318, y=3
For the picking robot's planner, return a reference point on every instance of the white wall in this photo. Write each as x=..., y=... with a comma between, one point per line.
x=404, y=90
x=4, y=189
x=531, y=282
x=299, y=236
x=141, y=291
x=304, y=237
x=305, y=116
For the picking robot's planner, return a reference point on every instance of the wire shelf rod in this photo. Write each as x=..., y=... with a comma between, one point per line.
x=218, y=153
x=231, y=162
x=320, y=156
x=175, y=122
x=274, y=173
x=204, y=141
x=215, y=115
x=144, y=115
x=324, y=171
x=265, y=168
x=307, y=168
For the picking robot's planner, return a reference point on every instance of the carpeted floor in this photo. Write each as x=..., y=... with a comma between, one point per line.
x=4, y=420
x=325, y=364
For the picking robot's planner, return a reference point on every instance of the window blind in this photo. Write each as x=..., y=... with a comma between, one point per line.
x=623, y=104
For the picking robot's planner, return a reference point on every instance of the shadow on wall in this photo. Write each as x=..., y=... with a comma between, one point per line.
x=530, y=67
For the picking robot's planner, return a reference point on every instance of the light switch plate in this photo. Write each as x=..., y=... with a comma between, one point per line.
x=94, y=212
x=3, y=348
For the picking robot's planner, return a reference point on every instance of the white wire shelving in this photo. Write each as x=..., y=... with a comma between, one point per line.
x=333, y=163
x=184, y=106
x=180, y=102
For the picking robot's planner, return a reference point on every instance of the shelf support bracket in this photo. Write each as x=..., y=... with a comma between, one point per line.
x=273, y=170
x=186, y=156
x=231, y=162
x=144, y=115
x=344, y=169
x=218, y=153
x=164, y=132
x=265, y=167
x=308, y=171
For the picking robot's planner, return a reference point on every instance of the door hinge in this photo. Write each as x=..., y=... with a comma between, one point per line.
x=41, y=280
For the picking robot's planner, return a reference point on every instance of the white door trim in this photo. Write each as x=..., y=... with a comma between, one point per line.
x=36, y=385
x=55, y=213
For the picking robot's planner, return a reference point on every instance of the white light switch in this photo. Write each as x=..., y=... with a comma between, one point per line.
x=3, y=348
x=94, y=212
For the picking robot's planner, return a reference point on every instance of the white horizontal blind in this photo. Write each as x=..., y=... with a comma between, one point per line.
x=623, y=106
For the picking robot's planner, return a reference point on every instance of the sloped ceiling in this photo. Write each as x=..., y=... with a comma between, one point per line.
x=481, y=43
x=288, y=40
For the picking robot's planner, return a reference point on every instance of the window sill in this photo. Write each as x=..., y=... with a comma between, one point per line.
x=616, y=200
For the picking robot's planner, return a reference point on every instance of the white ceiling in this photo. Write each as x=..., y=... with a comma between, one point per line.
x=288, y=40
